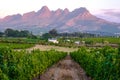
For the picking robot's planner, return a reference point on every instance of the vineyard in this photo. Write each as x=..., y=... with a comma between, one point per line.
x=24, y=65
x=16, y=45
x=100, y=64
x=66, y=42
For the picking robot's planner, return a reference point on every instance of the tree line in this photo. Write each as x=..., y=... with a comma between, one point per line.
x=50, y=34
x=54, y=33
x=16, y=33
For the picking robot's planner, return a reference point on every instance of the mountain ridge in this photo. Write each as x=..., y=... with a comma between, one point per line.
x=63, y=20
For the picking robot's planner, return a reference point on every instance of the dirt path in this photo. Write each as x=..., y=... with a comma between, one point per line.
x=65, y=69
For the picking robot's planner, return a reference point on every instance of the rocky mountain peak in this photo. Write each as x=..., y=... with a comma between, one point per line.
x=58, y=12
x=83, y=9
x=44, y=12
x=80, y=10
x=44, y=8
x=79, y=19
x=28, y=15
x=66, y=11
x=12, y=17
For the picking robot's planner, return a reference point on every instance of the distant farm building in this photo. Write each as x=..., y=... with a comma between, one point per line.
x=53, y=40
x=68, y=40
x=77, y=42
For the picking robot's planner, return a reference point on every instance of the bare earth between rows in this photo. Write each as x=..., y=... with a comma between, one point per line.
x=65, y=69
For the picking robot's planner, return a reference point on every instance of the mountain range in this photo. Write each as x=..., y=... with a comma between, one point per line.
x=78, y=20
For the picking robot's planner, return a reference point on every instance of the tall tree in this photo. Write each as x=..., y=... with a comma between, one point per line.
x=16, y=33
x=53, y=32
x=9, y=32
x=1, y=34
x=46, y=36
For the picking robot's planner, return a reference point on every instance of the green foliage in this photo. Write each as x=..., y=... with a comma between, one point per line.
x=16, y=33
x=53, y=32
x=50, y=34
x=89, y=42
x=24, y=65
x=76, y=34
x=103, y=39
x=16, y=45
x=19, y=40
x=100, y=64
x=3, y=76
x=46, y=36
x=119, y=49
x=1, y=34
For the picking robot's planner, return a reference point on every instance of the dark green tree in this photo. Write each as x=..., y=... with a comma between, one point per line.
x=46, y=36
x=9, y=32
x=16, y=33
x=1, y=34
x=53, y=32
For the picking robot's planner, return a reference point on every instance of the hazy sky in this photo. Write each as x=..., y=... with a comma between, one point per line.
x=8, y=7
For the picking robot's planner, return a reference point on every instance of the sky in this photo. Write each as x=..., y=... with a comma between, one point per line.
x=9, y=7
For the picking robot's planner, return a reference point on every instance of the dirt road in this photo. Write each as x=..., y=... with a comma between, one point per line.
x=65, y=69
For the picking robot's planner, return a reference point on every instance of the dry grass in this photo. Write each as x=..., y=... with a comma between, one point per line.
x=48, y=47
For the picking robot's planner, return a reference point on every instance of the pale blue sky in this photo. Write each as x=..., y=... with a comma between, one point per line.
x=9, y=7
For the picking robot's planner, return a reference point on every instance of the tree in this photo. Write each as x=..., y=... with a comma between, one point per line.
x=119, y=49
x=24, y=33
x=46, y=36
x=53, y=32
x=1, y=34
x=9, y=32
x=30, y=35
x=16, y=33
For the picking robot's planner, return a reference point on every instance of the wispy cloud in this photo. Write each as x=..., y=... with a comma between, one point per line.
x=112, y=15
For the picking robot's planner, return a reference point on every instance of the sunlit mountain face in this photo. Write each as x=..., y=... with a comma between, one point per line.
x=44, y=20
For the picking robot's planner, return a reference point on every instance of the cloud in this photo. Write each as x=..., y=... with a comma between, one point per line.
x=112, y=12
x=112, y=15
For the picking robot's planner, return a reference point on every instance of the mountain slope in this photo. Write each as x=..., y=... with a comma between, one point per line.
x=63, y=20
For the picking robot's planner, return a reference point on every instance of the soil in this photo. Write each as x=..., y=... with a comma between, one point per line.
x=65, y=69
